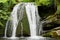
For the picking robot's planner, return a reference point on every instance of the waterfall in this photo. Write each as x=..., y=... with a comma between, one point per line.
x=31, y=14
x=6, y=29
x=17, y=15
x=34, y=21
x=14, y=20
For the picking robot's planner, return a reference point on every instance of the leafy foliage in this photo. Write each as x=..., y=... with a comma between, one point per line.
x=43, y=2
x=3, y=1
x=5, y=10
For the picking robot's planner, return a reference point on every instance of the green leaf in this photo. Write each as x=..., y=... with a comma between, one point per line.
x=3, y=1
x=44, y=2
x=14, y=1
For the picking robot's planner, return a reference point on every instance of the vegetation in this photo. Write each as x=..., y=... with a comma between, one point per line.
x=6, y=7
x=43, y=2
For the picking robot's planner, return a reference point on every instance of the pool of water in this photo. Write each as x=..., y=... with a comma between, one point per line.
x=27, y=38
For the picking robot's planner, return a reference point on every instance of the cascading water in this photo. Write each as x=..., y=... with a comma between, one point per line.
x=32, y=15
x=16, y=15
x=14, y=21
x=22, y=30
x=34, y=21
x=6, y=29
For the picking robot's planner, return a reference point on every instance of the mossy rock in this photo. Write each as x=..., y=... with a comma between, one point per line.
x=24, y=27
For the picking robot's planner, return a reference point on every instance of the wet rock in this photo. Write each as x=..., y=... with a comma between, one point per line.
x=52, y=21
x=57, y=28
x=50, y=26
x=24, y=28
x=55, y=33
x=58, y=32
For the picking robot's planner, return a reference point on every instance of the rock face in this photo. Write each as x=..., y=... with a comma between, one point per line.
x=52, y=26
x=52, y=21
x=55, y=33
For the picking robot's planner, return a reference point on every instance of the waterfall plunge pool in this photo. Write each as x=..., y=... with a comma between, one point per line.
x=27, y=38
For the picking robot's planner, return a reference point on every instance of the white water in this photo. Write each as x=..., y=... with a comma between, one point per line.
x=31, y=14
x=17, y=15
x=14, y=20
x=22, y=30
x=41, y=26
x=33, y=18
x=6, y=30
x=34, y=21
